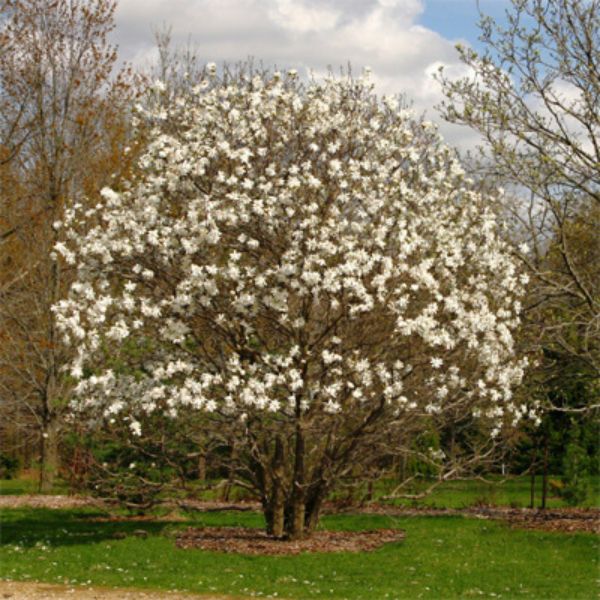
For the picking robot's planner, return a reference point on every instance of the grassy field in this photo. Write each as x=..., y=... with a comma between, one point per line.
x=441, y=557
x=28, y=485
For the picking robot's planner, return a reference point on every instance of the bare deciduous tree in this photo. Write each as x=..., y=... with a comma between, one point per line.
x=62, y=132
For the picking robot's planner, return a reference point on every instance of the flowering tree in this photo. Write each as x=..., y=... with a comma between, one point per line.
x=308, y=267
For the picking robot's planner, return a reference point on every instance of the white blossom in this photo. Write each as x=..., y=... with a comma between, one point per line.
x=291, y=249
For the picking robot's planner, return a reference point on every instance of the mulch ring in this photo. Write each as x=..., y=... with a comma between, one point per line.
x=241, y=540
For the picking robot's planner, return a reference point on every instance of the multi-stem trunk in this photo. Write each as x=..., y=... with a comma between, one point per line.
x=283, y=517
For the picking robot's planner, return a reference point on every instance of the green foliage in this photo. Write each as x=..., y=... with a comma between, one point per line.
x=441, y=557
x=423, y=444
x=9, y=466
x=569, y=390
x=575, y=470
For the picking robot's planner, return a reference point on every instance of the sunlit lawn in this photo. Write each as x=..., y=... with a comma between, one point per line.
x=28, y=485
x=441, y=558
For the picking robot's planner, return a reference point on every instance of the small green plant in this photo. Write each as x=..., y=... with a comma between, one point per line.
x=575, y=471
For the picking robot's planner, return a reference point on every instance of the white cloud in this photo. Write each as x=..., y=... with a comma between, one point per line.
x=300, y=18
x=310, y=35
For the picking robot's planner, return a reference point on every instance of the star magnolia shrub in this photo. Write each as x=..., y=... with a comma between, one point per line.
x=308, y=266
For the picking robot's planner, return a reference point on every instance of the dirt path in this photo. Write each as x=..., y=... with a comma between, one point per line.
x=21, y=590
x=46, y=501
x=69, y=502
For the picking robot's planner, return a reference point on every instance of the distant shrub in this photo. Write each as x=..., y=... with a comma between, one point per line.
x=575, y=474
x=9, y=466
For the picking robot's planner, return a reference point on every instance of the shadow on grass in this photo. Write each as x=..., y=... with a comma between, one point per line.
x=66, y=528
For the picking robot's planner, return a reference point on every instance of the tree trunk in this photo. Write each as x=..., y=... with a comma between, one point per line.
x=532, y=480
x=230, y=474
x=202, y=466
x=50, y=427
x=298, y=503
x=277, y=508
x=313, y=508
x=278, y=512
x=48, y=457
x=401, y=468
x=545, y=474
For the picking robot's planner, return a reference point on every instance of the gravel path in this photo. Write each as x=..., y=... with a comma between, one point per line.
x=46, y=501
x=68, y=502
x=20, y=590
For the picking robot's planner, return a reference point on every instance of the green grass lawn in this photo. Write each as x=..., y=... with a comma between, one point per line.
x=28, y=485
x=441, y=558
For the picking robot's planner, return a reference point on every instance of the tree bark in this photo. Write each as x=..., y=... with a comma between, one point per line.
x=313, y=508
x=48, y=457
x=202, y=466
x=277, y=508
x=545, y=473
x=50, y=416
x=298, y=503
x=278, y=512
x=230, y=474
x=532, y=480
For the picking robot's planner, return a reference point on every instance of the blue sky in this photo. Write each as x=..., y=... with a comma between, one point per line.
x=456, y=19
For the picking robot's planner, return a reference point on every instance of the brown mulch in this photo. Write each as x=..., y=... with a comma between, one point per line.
x=566, y=520
x=168, y=518
x=570, y=520
x=242, y=540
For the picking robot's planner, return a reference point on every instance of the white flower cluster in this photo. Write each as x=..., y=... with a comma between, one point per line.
x=289, y=248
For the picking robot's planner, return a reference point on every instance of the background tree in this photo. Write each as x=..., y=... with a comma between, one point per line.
x=63, y=129
x=307, y=269
x=534, y=96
